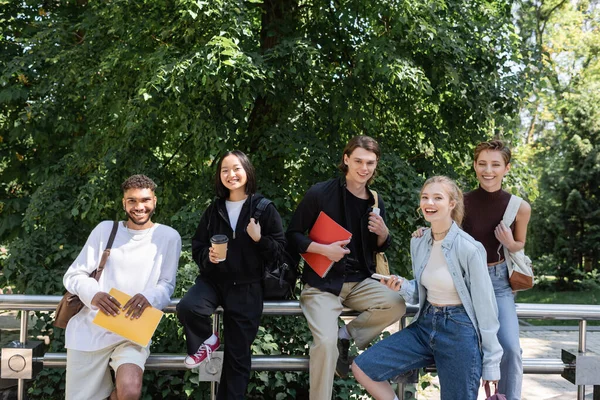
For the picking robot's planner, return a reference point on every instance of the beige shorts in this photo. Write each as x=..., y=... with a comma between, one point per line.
x=88, y=372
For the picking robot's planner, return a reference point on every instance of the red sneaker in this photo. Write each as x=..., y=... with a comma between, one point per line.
x=204, y=352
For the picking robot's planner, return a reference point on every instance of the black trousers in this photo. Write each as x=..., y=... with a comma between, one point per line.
x=242, y=306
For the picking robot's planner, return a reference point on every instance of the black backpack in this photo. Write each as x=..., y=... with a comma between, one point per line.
x=280, y=275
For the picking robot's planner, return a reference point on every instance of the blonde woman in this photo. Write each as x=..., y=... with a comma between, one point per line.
x=457, y=321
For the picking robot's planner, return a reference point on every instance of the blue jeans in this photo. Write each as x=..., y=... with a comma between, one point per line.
x=511, y=367
x=442, y=335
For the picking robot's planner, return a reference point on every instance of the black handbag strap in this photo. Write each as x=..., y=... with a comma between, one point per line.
x=106, y=251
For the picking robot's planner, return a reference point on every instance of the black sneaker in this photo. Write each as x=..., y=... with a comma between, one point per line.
x=342, y=367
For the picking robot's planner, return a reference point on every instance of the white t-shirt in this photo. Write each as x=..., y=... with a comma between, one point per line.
x=142, y=261
x=437, y=279
x=234, y=208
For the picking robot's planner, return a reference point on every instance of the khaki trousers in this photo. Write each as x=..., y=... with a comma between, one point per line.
x=379, y=307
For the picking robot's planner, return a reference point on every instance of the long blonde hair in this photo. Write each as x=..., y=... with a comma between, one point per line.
x=454, y=193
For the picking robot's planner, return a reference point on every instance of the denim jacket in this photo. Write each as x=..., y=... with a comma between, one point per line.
x=467, y=263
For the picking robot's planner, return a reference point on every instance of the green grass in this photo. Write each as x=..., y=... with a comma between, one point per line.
x=550, y=296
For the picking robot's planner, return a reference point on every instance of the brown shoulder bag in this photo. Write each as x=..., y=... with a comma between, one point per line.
x=70, y=304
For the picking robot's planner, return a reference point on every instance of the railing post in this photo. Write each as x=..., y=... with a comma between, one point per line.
x=214, y=386
x=400, y=388
x=23, y=340
x=581, y=348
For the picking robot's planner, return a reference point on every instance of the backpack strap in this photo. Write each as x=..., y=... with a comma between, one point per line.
x=261, y=207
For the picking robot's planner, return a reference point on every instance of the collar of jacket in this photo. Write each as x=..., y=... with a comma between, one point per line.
x=251, y=200
x=344, y=185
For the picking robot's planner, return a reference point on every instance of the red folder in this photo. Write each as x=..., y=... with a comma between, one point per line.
x=324, y=231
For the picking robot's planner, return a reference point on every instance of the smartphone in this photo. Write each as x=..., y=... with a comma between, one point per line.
x=380, y=277
x=376, y=210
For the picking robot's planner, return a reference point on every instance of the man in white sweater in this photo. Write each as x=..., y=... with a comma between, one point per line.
x=142, y=263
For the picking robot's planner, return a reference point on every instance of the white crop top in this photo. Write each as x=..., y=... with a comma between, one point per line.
x=437, y=279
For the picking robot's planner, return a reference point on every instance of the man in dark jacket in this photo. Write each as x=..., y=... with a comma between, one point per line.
x=349, y=202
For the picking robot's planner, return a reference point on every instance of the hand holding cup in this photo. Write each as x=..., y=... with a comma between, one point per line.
x=218, y=248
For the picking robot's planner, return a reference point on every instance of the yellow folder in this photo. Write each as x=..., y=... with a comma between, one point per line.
x=139, y=330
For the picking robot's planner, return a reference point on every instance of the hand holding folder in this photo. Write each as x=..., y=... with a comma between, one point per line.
x=138, y=330
x=324, y=231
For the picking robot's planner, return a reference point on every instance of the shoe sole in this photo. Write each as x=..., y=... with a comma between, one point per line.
x=188, y=366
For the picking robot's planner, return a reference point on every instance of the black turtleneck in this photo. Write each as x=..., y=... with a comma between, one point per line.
x=483, y=212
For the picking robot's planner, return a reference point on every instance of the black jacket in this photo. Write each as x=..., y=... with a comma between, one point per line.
x=330, y=197
x=245, y=257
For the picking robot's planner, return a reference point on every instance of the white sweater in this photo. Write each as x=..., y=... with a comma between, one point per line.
x=140, y=262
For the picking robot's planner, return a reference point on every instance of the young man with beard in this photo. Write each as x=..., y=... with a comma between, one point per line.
x=142, y=263
x=349, y=201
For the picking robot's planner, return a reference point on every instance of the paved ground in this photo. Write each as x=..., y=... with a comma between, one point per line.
x=546, y=342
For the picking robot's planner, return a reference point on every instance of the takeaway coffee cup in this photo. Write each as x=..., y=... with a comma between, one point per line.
x=219, y=244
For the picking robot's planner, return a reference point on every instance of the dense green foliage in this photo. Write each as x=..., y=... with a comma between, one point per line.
x=564, y=126
x=91, y=93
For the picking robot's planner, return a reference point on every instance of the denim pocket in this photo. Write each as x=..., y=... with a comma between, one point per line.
x=461, y=319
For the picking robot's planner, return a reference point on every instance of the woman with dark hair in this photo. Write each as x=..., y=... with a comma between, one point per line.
x=234, y=283
x=457, y=321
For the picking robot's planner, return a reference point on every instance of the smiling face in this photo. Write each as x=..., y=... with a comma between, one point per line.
x=139, y=204
x=233, y=175
x=490, y=169
x=436, y=204
x=361, y=165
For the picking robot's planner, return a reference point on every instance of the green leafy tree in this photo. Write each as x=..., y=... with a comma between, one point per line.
x=567, y=222
x=563, y=129
x=92, y=92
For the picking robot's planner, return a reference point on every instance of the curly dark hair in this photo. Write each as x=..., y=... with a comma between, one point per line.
x=138, y=181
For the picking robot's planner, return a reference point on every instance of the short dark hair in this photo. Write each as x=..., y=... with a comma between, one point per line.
x=493, y=145
x=138, y=181
x=220, y=189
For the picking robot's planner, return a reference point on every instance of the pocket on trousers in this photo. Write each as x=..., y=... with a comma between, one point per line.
x=461, y=319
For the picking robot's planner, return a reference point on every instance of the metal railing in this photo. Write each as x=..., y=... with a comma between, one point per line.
x=582, y=313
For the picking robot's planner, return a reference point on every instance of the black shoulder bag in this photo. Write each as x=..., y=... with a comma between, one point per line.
x=280, y=274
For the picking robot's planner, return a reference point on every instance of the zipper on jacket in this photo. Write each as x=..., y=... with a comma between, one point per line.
x=226, y=219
